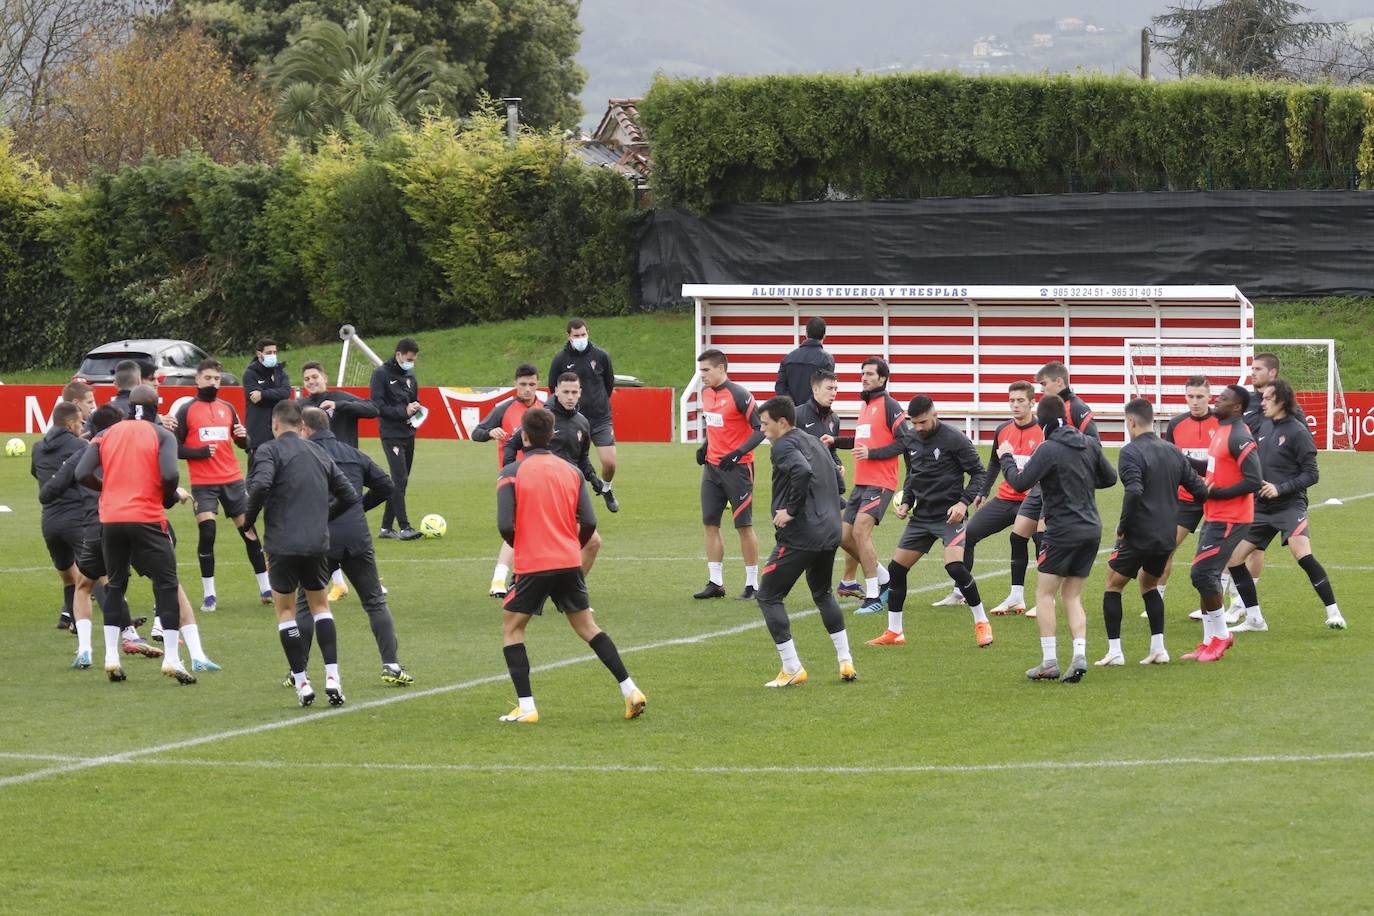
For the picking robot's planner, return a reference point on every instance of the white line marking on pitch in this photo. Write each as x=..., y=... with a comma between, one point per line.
x=87, y=763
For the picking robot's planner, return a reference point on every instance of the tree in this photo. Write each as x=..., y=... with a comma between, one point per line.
x=331, y=78
x=1239, y=37
x=162, y=92
x=524, y=48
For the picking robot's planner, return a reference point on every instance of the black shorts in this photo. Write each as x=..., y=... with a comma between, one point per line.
x=567, y=588
x=603, y=432
x=867, y=500
x=208, y=497
x=146, y=546
x=63, y=545
x=1071, y=561
x=1285, y=523
x=1189, y=515
x=1033, y=506
x=993, y=516
x=785, y=565
x=288, y=573
x=1215, y=544
x=920, y=534
x=733, y=487
x=90, y=556
x=1129, y=562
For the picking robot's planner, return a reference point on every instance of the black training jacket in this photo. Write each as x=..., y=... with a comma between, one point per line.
x=796, y=369
x=815, y=420
x=348, y=532
x=1288, y=460
x=392, y=389
x=936, y=468
x=302, y=491
x=593, y=367
x=70, y=507
x=1080, y=414
x=348, y=410
x=1254, y=414
x=572, y=441
x=1069, y=466
x=1151, y=471
x=806, y=484
x=275, y=386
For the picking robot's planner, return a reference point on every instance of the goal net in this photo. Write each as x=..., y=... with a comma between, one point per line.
x=1158, y=370
x=357, y=361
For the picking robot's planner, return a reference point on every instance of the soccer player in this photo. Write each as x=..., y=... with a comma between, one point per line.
x=797, y=371
x=1053, y=378
x=1288, y=458
x=138, y=458
x=817, y=418
x=730, y=433
x=302, y=490
x=593, y=367
x=1233, y=477
x=1192, y=433
x=344, y=408
x=265, y=384
x=939, y=457
x=350, y=544
x=1153, y=473
x=127, y=376
x=206, y=432
x=545, y=514
x=83, y=396
x=1009, y=508
x=572, y=441
x=501, y=425
x=1069, y=466
x=806, y=518
x=878, y=441
x=396, y=395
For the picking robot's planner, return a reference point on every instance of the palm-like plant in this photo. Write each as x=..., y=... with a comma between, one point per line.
x=330, y=76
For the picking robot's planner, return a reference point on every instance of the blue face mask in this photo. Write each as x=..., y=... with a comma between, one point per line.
x=580, y=343
x=407, y=365
x=269, y=361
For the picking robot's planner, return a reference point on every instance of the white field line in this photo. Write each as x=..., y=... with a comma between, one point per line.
x=87, y=763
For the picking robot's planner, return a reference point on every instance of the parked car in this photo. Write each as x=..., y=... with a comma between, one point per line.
x=174, y=361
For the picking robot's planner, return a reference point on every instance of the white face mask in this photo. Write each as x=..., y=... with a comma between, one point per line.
x=407, y=365
x=269, y=361
x=580, y=343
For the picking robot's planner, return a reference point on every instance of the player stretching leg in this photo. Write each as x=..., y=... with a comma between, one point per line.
x=545, y=514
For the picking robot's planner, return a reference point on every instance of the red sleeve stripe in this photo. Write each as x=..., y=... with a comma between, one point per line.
x=1087, y=418
x=1249, y=447
x=505, y=481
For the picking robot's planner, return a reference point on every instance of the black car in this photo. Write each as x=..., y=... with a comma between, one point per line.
x=174, y=361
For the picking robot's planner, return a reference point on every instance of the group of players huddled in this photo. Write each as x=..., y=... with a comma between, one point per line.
x=1240, y=468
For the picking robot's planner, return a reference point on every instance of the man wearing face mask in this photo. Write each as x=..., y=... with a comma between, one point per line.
x=206, y=431
x=396, y=394
x=264, y=384
x=593, y=367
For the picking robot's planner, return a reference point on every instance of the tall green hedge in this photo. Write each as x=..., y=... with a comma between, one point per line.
x=431, y=228
x=788, y=138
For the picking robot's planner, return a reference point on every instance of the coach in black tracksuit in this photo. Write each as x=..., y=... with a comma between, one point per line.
x=593, y=368
x=396, y=395
x=797, y=368
x=264, y=386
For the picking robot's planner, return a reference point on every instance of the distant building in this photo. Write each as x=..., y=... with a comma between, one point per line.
x=1042, y=40
x=1070, y=24
x=618, y=141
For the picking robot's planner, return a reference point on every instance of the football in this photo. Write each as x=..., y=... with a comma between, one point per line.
x=431, y=526
x=15, y=448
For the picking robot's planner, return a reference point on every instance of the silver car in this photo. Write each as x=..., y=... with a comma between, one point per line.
x=173, y=361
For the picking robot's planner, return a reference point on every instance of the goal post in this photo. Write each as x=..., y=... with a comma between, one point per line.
x=356, y=373
x=1158, y=370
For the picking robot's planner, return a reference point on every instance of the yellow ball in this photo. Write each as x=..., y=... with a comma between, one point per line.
x=16, y=448
x=433, y=526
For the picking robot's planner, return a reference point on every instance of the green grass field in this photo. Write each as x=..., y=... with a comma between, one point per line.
x=941, y=781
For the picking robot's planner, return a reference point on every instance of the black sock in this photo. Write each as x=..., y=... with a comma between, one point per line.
x=1111, y=613
x=896, y=587
x=1020, y=559
x=115, y=612
x=327, y=636
x=968, y=558
x=67, y=592
x=1154, y=609
x=205, y=550
x=964, y=582
x=254, y=548
x=1245, y=585
x=610, y=657
x=291, y=645
x=98, y=595
x=518, y=664
x=168, y=604
x=1317, y=576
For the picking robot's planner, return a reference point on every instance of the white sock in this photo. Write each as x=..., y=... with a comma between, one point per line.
x=788, y=651
x=1160, y=588
x=1255, y=614
x=332, y=671
x=841, y=641
x=751, y=576
x=1080, y=647
x=1156, y=642
x=500, y=572
x=871, y=587
x=627, y=687
x=527, y=704
x=1048, y=651
x=111, y=645
x=191, y=633
x=605, y=487
x=130, y=632
x=883, y=575
x=171, y=648
x=263, y=584
x=1218, y=620
x=894, y=621
x=1332, y=610
x=207, y=586
x=1113, y=647
x=336, y=577
x=979, y=615
x=299, y=677
x=1018, y=594
x=716, y=573
x=83, y=636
